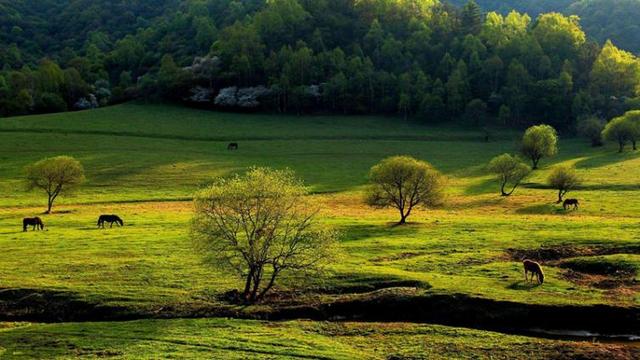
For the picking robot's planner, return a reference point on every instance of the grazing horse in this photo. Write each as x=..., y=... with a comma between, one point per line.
x=35, y=222
x=110, y=219
x=232, y=146
x=571, y=202
x=535, y=269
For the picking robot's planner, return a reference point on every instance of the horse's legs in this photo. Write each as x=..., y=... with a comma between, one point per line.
x=111, y=225
x=526, y=277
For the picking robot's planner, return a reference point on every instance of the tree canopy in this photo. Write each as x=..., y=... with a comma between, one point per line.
x=259, y=226
x=54, y=176
x=538, y=142
x=404, y=183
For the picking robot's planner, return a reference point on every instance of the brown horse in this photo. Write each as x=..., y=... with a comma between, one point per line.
x=571, y=202
x=535, y=269
x=35, y=222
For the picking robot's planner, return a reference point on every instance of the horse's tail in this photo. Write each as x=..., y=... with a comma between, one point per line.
x=99, y=220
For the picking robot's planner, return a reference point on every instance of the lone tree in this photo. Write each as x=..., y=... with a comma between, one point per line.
x=623, y=129
x=510, y=171
x=563, y=179
x=538, y=142
x=403, y=182
x=259, y=226
x=55, y=176
x=591, y=128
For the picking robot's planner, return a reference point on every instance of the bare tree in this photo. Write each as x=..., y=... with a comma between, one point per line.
x=404, y=183
x=259, y=226
x=55, y=176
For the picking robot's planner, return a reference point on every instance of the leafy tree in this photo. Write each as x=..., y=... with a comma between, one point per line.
x=260, y=226
x=403, y=182
x=55, y=176
x=615, y=72
x=510, y=171
x=623, y=129
x=476, y=111
x=539, y=142
x=591, y=128
x=471, y=18
x=563, y=179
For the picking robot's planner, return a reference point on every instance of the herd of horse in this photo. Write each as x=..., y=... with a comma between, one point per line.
x=37, y=224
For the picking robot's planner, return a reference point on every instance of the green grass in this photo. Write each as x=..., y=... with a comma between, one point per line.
x=145, y=161
x=236, y=339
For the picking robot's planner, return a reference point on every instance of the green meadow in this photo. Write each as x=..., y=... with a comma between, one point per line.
x=144, y=162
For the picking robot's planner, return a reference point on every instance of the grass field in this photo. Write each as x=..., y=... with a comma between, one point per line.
x=145, y=161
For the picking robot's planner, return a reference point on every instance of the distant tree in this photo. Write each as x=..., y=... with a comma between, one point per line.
x=259, y=226
x=471, y=18
x=476, y=111
x=623, y=129
x=510, y=171
x=403, y=182
x=538, y=142
x=504, y=114
x=591, y=128
x=55, y=176
x=563, y=179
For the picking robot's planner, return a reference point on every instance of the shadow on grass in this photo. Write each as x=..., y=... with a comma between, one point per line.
x=486, y=186
x=362, y=231
x=605, y=159
x=541, y=209
x=523, y=285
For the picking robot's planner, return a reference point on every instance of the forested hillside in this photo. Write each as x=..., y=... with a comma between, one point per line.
x=601, y=19
x=416, y=58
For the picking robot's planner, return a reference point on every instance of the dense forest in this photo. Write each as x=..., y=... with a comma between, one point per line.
x=602, y=20
x=418, y=58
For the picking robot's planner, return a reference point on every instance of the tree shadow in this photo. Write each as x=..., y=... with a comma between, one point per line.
x=485, y=186
x=541, y=209
x=364, y=231
x=605, y=159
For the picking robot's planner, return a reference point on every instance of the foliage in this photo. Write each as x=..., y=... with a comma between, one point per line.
x=591, y=128
x=422, y=59
x=563, y=179
x=538, y=142
x=509, y=170
x=623, y=129
x=259, y=226
x=403, y=182
x=55, y=176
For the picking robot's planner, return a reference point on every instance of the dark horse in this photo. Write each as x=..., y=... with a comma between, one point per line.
x=110, y=219
x=535, y=269
x=232, y=146
x=35, y=222
x=571, y=202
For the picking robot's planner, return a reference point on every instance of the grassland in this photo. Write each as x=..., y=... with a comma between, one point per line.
x=144, y=162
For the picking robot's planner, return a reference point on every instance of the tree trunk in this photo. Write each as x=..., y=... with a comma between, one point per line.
x=247, y=285
x=561, y=194
x=535, y=163
x=49, y=205
x=620, y=147
x=634, y=145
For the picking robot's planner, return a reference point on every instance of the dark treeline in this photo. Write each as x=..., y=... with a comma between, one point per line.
x=417, y=58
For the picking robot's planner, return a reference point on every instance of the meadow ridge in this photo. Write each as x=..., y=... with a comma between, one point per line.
x=145, y=162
